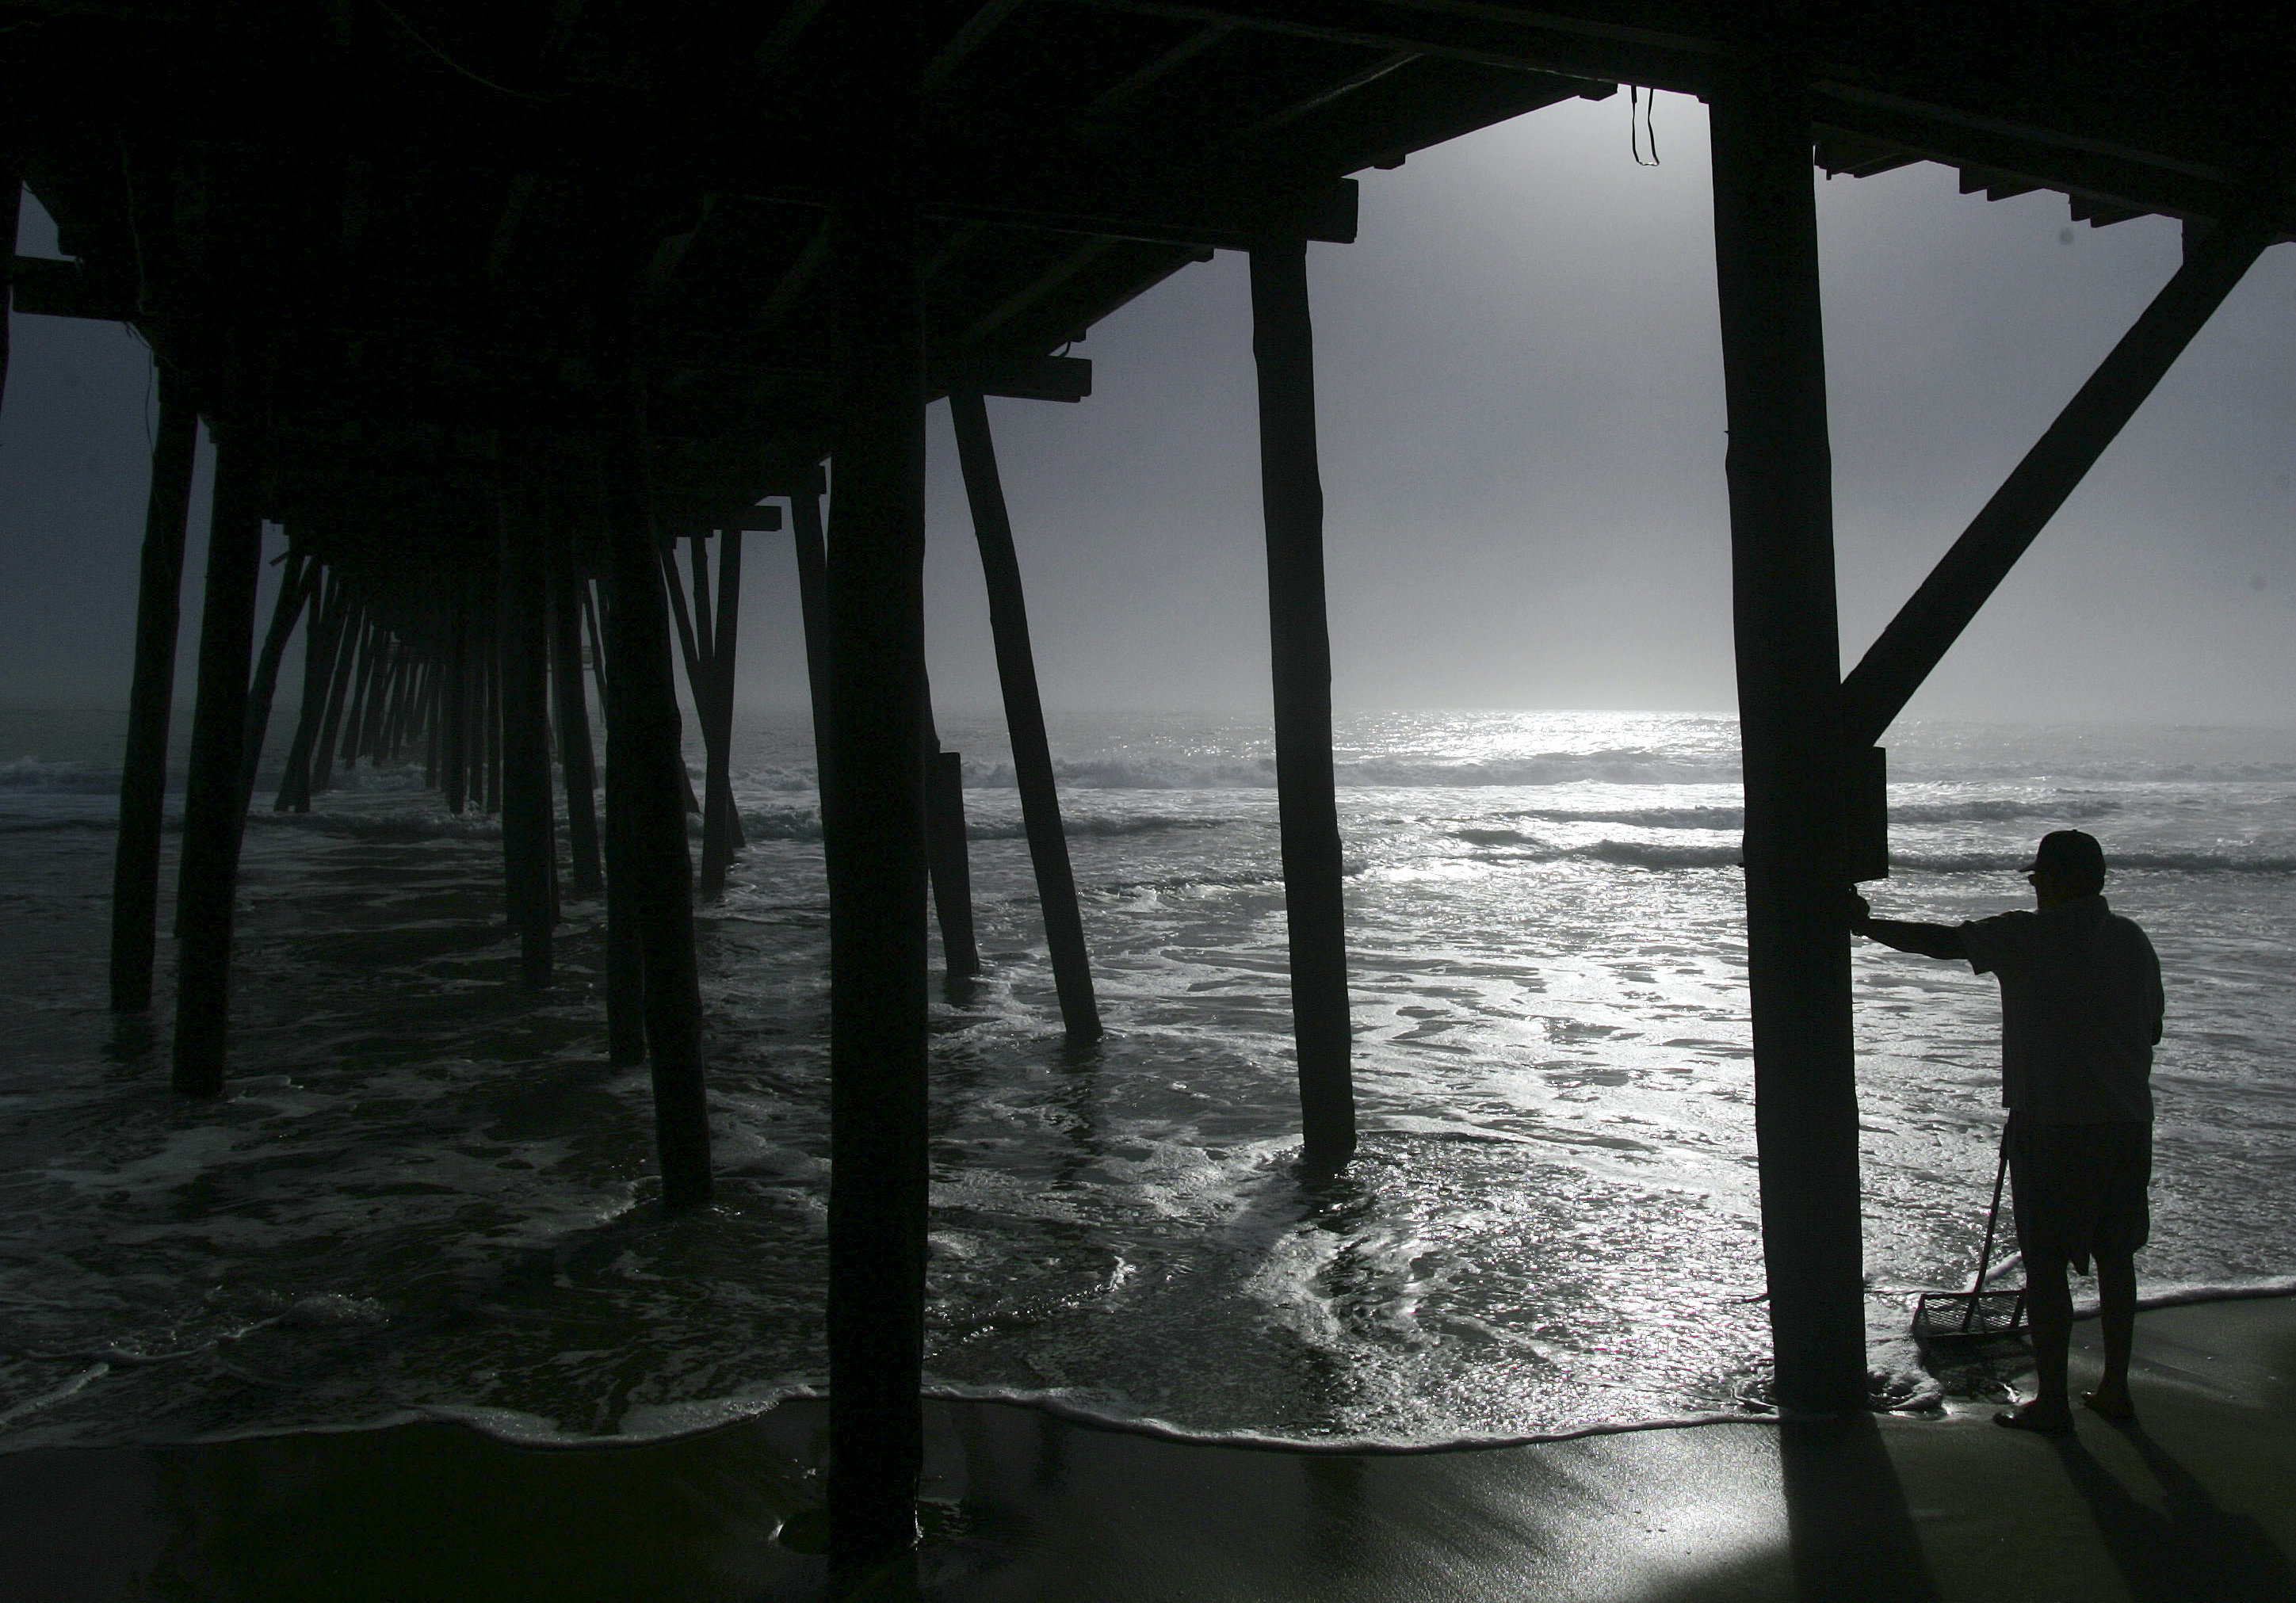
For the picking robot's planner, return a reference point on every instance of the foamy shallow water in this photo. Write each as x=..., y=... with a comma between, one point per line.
x=426, y=1192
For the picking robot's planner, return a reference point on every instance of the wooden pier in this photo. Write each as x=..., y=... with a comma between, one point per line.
x=494, y=309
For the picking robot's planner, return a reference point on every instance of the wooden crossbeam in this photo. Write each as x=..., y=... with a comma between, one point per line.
x=48, y=288
x=2011, y=156
x=1224, y=219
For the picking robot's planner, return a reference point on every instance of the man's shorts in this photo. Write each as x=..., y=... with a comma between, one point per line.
x=2080, y=1189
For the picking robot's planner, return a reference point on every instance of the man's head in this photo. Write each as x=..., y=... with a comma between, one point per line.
x=2069, y=864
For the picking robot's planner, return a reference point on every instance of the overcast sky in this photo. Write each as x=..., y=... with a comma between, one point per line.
x=1522, y=433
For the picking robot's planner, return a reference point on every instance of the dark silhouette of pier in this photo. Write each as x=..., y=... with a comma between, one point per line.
x=502, y=311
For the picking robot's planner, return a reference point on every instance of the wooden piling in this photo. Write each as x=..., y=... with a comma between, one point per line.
x=1299, y=649
x=12, y=208
x=213, y=809
x=625, y=971
x=406, y=672
x=813, y=604
x=295, y=584
x=697, y=672
x=434, y=687
x=143, y=768
x=373, y=643
x=875, y=821
x=721, y=826
x=321, y=645
x=323, y=753
x=726, y=635
x=529, y=837
x=577, y=765
x=645, y=755
x=392, y=659
x=1024, y=718
x=1790, y=705
x=454, y=707
x=948, y=864
x=490, y=714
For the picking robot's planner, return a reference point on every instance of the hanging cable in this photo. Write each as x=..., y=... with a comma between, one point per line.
x=1640, y=130
x=408, y=29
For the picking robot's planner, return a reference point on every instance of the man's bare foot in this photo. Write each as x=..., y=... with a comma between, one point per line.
x=2045, y=1422
x=2109, y=1402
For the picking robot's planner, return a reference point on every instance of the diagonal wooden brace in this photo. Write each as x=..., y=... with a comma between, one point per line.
x=1925, y=628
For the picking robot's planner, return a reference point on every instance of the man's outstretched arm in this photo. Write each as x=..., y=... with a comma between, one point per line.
x=1930, y=940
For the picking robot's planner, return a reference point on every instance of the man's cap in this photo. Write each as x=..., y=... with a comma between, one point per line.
x=2068, y=851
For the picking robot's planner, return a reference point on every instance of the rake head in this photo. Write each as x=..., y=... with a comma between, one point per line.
x=1968, y=1315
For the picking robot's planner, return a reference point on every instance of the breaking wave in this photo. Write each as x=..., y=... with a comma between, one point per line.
x=31, y=774
x=2173, y=862
x=1626, y=765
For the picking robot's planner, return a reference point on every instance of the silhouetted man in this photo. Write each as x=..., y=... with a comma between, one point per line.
x=2080, y=1013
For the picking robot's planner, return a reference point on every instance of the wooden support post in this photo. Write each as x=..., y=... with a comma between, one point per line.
x=11, y=211
x=214, y=808
x=392, y=658
x=1790, y=706
x=295, y=586
x=646, y=758
x=575, y=762
x=454, y=705
x=1024, y=718
x=1299, y=648
x=322, y=643
x=529, y=837
x=949, y=866
x=625, y=971
x=322, y=755
x=697, y=673
x=705, y=616
x=726, y=635
x=874, y=820
x=143, y=769
x=406, y=677
x=812, y=603
x=721, y=827
x=433, y=723
x=1925, y=628
x=598, y=664
x=373, y=640
x=490, y=712
x=689, y=649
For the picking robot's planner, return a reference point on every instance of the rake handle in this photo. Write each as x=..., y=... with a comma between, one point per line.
x=1992, y=1221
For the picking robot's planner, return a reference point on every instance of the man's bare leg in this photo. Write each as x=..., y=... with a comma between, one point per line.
x=2116, y=1295
x=2049, y=1301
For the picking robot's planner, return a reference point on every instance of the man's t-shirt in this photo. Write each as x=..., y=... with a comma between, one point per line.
x=2080, y=1008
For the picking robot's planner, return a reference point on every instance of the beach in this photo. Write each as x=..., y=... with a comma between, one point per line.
x=2195, y=1502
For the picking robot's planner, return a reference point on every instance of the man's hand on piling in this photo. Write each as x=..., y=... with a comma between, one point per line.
x=1930, y=940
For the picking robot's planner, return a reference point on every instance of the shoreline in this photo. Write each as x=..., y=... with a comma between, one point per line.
x=534, y=1432
x=1022, y=1504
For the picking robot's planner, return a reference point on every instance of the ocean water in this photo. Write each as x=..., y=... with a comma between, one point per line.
x=426, y=1193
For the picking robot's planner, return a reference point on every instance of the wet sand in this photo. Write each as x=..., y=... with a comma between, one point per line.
x=2197, y=1502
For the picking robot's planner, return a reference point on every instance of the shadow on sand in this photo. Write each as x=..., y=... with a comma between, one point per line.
x=2190, y=1547
x=1850, y=1526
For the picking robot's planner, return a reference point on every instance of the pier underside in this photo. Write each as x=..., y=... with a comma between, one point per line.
x=496, y=310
